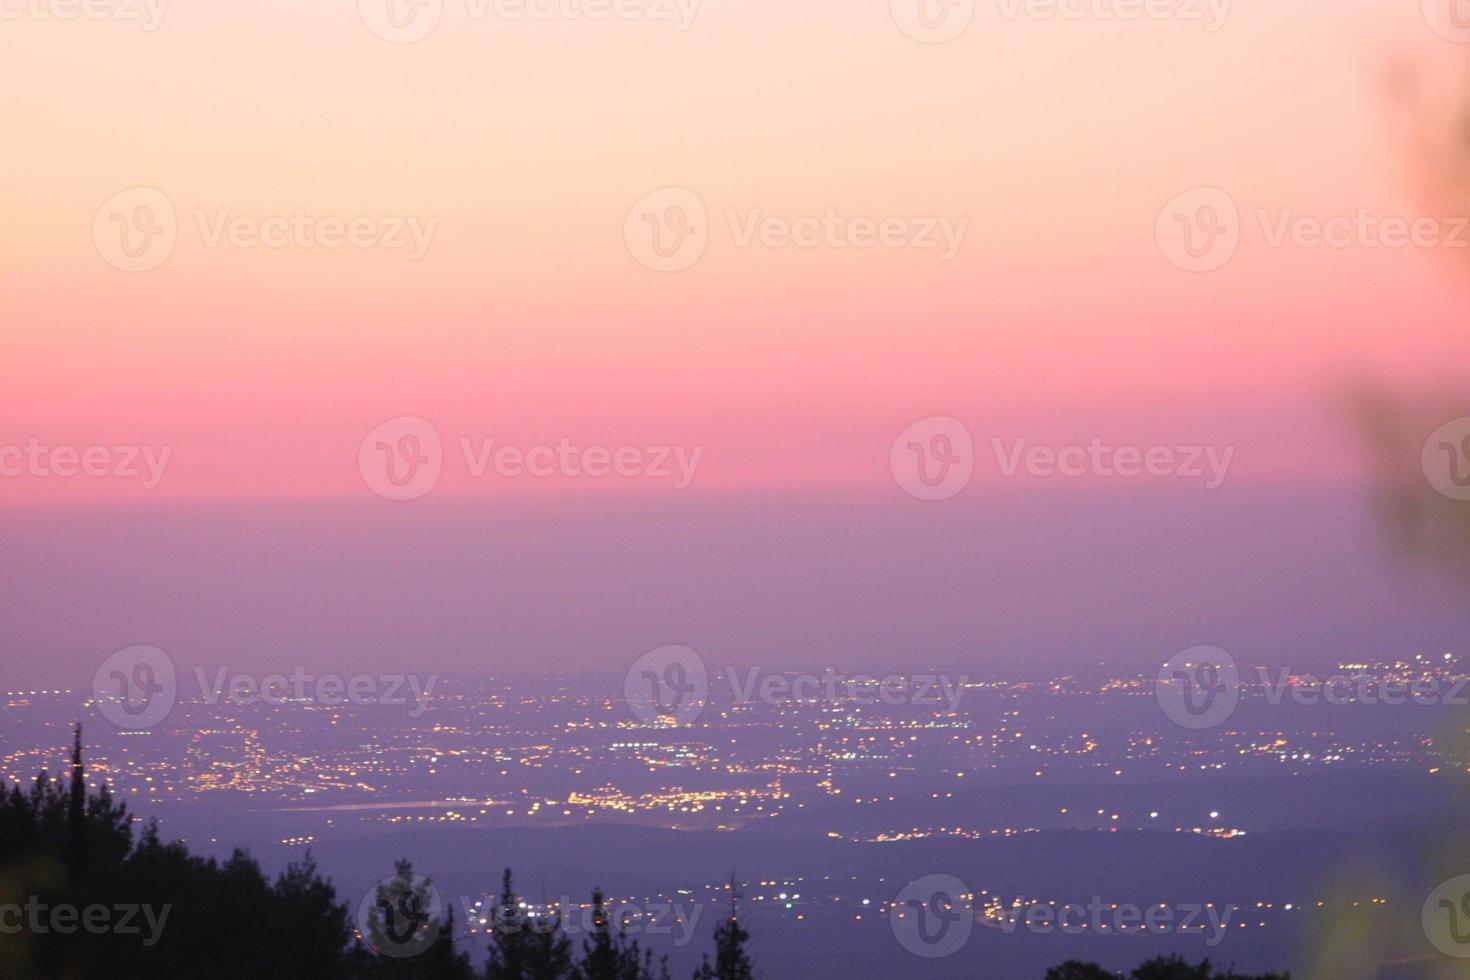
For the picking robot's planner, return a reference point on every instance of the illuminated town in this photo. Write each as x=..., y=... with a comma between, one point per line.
x=1033, y=772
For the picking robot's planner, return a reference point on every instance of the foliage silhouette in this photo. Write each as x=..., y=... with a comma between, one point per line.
x=1161, y=968
x=61, y=846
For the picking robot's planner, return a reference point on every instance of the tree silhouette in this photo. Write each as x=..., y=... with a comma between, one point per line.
x=731, y=960
x=442, y=961
x=1076, y=970
x=156, y=910
x=550, y=952
x=1160, y=968
x=608, y=954
x=60, y=845
x=523, y=948
x=408, y=935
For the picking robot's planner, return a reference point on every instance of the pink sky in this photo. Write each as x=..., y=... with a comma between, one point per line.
x=530, y=320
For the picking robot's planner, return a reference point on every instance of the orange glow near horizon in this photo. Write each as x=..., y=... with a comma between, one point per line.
x=529, y=319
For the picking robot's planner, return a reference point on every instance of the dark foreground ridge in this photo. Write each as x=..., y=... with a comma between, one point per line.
x=82, y=896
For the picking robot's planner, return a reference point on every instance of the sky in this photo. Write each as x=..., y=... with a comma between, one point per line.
x=499, y=171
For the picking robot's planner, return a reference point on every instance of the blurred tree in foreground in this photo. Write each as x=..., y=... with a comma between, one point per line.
x=93, y=900
x=1163, y=968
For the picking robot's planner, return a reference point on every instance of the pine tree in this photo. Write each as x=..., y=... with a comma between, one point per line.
x=441, y=962
x=608, y=954
x=509, y=940
x=523, y=948
x=60, y=844
x=599, y=951
x=731, y=960
x=76, y=814
x=550, y=951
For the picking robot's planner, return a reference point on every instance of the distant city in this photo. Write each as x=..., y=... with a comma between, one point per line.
x=1081, y=782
